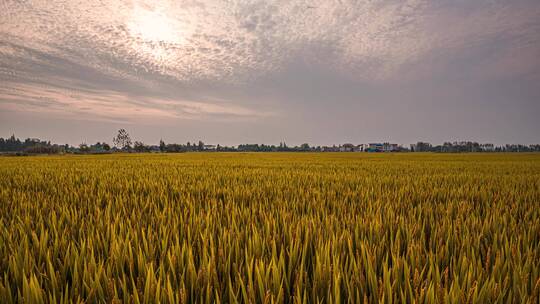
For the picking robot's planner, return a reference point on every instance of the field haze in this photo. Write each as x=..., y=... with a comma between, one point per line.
x=270, y=228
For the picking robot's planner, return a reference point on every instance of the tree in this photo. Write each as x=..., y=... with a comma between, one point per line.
x=139, y=146
x=162, y=146
x=122, y=140
x=201, y=145
x=422, y=147
x=84, y=148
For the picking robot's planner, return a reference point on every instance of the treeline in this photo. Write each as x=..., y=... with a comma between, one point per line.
x=201, y=146
x=123, y=143
x=469, y=146
x=30, y=145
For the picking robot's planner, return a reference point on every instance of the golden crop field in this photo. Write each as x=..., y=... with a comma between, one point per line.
x=270, y=228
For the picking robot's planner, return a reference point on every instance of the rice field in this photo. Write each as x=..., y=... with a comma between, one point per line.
x=270, y=228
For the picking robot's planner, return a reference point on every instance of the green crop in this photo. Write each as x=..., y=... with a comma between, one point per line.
x=270, y=228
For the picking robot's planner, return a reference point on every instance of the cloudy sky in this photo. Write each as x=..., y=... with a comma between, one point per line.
x=238, y=71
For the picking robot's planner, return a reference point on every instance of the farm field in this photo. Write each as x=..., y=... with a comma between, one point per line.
x=270, y=228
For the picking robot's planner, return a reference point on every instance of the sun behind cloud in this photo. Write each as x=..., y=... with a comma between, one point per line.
x=154, y=26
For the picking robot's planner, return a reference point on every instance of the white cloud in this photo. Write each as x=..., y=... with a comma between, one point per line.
x=234, y=41
x=112, y=106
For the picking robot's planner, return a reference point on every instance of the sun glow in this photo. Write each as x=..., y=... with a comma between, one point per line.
x=154, y=26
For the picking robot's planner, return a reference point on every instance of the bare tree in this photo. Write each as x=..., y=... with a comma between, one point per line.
x=122, y=140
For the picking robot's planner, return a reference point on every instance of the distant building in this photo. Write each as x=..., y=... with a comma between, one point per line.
x=371, y=147
x=388, y=147
x=330, y=149
x=346, y=148
x=360, y=148
x=375, y=147
x=154, y=149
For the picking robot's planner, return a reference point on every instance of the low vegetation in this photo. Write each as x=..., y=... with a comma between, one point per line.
x=270, y=228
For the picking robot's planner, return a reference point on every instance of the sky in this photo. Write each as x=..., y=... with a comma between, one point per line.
x=231, y=71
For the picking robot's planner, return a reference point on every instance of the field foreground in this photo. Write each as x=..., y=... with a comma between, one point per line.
x=270, y=228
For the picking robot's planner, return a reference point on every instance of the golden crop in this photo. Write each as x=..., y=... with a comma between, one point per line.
x=270, y=228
